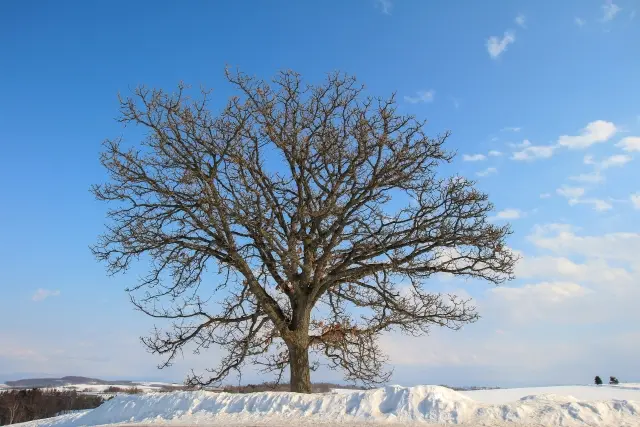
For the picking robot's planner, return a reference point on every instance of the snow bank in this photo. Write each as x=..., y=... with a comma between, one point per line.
x=392, y=404
x=586, y=392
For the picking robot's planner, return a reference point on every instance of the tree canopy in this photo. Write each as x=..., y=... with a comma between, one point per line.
x=298, y=218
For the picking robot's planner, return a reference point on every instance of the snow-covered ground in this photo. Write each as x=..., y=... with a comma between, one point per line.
x=546, y=406
x=145, y=387
x=603, y=392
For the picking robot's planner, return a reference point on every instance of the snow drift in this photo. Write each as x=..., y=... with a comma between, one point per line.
x=392, y=404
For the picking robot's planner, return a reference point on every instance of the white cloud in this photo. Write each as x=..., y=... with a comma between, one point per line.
x=521, y=20
x=42, y=294
x=615, y=160
x=580, y=22
x=487, y=172
x=533, y=152
x=545, y=195
x=610, y=10
x=570, y=192
x=550, y=292
x=579, y=279
x=589, y=178
x=629, y=143
x=594, y=271
x=635, y=199
x=473, y=157
x=525, y=143
x=551, y=301
x=507, y=214
x=421, y=96
x=561, y=239
x=595, y=176
x=497, y=45
x=511, y=129
x=594, y=132
x=574, y=195
x=385, y=6
x=598, y=204
x=495, y=153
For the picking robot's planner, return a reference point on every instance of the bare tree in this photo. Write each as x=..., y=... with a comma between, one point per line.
x=320, y=212
x=11, y=404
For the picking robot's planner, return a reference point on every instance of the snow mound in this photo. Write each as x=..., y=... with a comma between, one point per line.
x=391, y=404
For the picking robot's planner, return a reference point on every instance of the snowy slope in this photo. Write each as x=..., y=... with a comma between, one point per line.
x=603, y=392
x=390, y=405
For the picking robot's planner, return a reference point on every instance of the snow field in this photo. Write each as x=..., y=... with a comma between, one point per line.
x=388, y=405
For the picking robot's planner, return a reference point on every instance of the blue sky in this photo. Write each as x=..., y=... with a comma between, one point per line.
x=541, y=98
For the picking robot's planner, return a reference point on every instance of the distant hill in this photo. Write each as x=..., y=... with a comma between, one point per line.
x=58, y=382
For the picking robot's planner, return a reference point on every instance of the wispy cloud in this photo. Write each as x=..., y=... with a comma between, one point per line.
x=594, y=132
x=629, y=143
x=479, y=157
x=42, y=294
x=507, y=214
x=615, y=161
x=421, y=96
x=533, y=152
x=588, y=178
x=385, y=6
x=560, y=239
x=596, y=176
x=545, y=195
x=456, y=103
x=497, y=45
x=511, y=129
x=473, y=157
x=635, y=200
x=598, y=204
x=580, y=22
x=521, y=21
x=570, y=192
x=574, y=197
x=608, y=162
x=545, y=292
x=632, y=15
x=487, y=172
x=610, y=10
x=523, y=144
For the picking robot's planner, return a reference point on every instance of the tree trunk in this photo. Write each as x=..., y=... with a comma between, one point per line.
x=12, y=412
x=299, y=368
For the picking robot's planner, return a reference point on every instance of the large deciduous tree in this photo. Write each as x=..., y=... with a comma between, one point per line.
x=300, y=218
